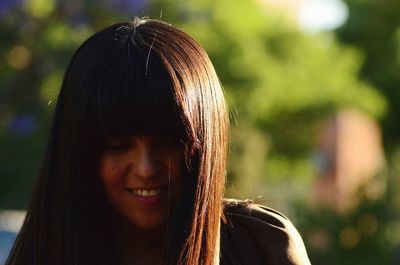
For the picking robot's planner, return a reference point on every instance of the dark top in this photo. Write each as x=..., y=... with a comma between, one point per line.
x=254, y=234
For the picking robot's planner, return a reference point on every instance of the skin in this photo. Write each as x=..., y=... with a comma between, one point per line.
x=130, y=167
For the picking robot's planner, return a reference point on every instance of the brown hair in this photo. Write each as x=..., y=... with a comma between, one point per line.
x=142, y=76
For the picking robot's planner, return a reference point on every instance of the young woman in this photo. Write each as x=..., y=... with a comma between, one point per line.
x=135, y=165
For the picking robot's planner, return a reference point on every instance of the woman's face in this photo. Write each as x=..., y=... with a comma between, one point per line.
x=142, y=177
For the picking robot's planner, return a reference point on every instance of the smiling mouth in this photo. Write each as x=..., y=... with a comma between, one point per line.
x=145, y=192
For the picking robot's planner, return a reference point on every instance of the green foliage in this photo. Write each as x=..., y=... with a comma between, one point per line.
x=278, y=80
x=365, y=235
x=373, y=27
x=39, y=8
x=280, y=83
x=38, y=38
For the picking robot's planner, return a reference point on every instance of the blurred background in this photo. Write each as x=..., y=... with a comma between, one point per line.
x=313, y=89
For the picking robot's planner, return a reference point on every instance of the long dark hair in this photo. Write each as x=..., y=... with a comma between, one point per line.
x=143, y=76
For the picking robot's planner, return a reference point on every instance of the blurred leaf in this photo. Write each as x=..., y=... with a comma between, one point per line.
x=39, y=8
x=373, y=27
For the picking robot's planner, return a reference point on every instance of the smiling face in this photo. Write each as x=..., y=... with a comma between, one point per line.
x=142, y=177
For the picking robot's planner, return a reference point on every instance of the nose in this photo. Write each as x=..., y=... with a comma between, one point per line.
x=145, y=164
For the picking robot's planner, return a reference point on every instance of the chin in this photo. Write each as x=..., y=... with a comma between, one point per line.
x=148, y=222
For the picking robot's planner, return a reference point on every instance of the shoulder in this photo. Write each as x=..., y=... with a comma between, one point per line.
x=261, y=235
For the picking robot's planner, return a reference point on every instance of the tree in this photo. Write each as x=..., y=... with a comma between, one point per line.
x=38, y=37
x=279, y=81
x=374, y=28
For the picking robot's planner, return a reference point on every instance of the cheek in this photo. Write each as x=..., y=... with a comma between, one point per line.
x=111, y=171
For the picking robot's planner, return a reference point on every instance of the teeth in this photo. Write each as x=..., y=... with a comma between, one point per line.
x=146, y=193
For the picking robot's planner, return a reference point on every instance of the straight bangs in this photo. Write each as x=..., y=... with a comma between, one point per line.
x=134, y=95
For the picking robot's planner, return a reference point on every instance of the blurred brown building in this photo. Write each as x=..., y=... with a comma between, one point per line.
x=349, y=154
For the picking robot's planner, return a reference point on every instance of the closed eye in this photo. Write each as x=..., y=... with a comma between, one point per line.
x=118, y=144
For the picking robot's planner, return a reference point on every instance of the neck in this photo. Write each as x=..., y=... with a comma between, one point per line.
x=138, y=246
